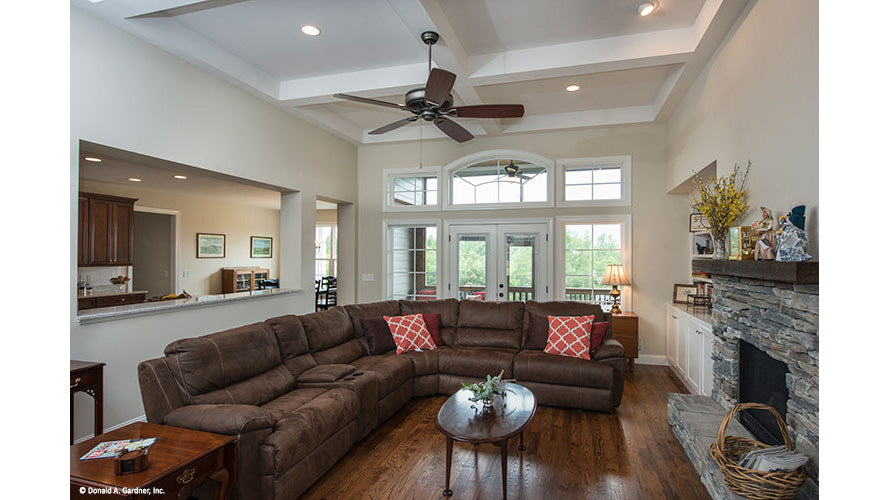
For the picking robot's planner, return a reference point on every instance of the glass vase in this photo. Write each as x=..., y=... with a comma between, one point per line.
x=718, y=245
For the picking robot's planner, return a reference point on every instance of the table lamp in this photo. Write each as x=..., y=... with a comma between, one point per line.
x=614, y=276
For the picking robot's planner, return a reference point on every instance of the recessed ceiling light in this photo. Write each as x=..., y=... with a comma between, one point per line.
x=310, y=30
x=133, y=179
x=92, y=158
x=646, y=8
x=572, y=88
x=180, y=177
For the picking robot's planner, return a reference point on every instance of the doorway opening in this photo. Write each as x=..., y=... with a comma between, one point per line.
x=155, y=244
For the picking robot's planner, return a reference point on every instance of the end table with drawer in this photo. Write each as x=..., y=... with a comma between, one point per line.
x=86, y=376
x=625, y=329
x=178, y=462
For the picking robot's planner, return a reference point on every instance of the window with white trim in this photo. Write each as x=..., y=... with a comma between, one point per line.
x=501, y=178
x=595, y=181
x=417, y=189
x=412, y=258
x=325, y=251
x=589, y=246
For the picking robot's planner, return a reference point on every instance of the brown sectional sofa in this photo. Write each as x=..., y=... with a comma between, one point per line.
x=299, y=391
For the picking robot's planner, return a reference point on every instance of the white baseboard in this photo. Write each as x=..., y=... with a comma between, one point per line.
x=140, y=418
x=652, y=359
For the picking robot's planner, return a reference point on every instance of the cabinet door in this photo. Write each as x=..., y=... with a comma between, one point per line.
x=707, y=342
x=83, y=248
x=122, y=233
x=100, y=232
x=682, y=346
x=693, y=370
x=672, y=337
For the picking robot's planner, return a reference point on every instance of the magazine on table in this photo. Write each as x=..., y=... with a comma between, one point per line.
x=108, y=449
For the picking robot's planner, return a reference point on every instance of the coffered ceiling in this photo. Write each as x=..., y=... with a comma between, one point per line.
x=630, y=69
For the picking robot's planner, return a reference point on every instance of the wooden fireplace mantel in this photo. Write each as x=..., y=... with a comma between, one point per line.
x=801, y=273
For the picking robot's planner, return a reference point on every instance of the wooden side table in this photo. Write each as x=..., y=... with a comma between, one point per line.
x=86, y=376
x=178, y=462
x=625, y=329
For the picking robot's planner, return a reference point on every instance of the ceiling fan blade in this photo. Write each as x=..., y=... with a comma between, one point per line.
x=453, y=129
x=489, y=111
x=394, y=125
x=439, y=86
x=365, y=100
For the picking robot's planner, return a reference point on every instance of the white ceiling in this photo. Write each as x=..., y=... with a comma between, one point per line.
x=631, y=69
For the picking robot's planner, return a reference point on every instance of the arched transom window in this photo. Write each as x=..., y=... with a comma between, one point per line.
x=497, y=178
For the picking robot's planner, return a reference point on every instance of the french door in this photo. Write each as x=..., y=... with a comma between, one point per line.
x=498, y=262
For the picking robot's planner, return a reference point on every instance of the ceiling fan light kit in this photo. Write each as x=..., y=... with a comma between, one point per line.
x=434, y=102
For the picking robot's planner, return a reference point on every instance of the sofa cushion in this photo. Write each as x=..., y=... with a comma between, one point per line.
x=564, y=308
x=342, y=354
x=253, y=391
x=537, y=331
x=569, y=336
x=280, y=407
x=304, y=428
x=425, y=362
x=490, y=324
x=448, y=308
x=377, y=336
x=357, y=312
x=322, y=374
x=326, y=329
x=390, y=370
x=433, y=324
x=292, y=343
x=597, y=335
x=215, y=361
x=536, y=366
x=476, y=361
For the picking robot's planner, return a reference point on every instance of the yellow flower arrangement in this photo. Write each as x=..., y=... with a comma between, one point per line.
x=722, y=201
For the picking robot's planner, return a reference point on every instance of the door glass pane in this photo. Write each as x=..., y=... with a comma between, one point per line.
x=521, y=266
x=472, y=266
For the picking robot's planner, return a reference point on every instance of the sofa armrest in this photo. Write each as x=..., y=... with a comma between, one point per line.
x=323, y=374
x=227, y=419
x=609, y=348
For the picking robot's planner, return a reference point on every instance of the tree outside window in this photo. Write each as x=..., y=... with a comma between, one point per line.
x=589, y=248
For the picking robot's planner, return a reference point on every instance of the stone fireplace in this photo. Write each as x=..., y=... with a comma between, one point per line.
x=765, y=313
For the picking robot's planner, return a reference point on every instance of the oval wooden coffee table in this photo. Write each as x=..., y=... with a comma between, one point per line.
x=458, y=421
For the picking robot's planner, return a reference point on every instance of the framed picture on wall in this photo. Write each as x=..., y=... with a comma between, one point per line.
x=260, y=247
x=211, y=246
x=681, y=292
x=696, y=223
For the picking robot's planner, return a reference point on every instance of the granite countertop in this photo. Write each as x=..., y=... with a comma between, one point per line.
x=108, y=293
x=124, y=311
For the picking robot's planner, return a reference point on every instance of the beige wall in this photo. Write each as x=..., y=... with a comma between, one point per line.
x=757, y=99
x=130, y=95
x=237, y=222
x=659, y=220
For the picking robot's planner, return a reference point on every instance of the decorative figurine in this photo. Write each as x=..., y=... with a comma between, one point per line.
x=767, y=244
x=792, y=241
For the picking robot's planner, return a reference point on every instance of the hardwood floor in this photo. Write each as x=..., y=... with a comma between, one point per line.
x=571, y=454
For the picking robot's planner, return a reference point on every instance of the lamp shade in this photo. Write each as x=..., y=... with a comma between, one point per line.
x=615, y=276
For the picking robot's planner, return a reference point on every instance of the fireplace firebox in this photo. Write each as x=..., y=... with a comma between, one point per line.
x=762, y=379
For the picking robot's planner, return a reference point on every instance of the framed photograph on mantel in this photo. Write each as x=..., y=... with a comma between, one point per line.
x=260, y=247
x=696, y=223
x=211, y=246
x=681, y=293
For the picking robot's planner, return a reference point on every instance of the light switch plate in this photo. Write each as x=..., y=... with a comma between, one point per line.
x=367, y=277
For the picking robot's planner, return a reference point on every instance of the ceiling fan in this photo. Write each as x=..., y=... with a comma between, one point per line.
x=435, y=104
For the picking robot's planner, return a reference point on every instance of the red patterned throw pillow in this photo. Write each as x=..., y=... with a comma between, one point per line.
x=410, y=333
x=569, y=336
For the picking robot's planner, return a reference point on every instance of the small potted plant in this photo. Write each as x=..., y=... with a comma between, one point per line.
x=485, y=391
x=722, y=201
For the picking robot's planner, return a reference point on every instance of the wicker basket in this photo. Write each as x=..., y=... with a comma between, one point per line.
x=749, y=483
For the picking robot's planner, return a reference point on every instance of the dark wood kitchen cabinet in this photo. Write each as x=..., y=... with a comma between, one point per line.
x=105, y=232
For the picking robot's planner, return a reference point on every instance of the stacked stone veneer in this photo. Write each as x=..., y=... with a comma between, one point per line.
x=781, y=319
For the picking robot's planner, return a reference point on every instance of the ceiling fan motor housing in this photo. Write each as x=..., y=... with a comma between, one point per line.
x=415, y=101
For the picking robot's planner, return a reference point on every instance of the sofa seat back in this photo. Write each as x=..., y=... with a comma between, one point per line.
x=331, y=338
x=240, y=366
x=563, y=308
x=358, y=312
x=448, y=308
x=292, y=343
x=489, y=324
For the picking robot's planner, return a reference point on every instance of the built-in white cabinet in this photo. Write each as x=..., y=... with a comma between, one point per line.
x=690, y=349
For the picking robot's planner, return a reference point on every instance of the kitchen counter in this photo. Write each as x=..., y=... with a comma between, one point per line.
x=109, y=293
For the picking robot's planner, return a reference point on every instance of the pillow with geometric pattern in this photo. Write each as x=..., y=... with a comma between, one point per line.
x=409, y=333
x=569, y=336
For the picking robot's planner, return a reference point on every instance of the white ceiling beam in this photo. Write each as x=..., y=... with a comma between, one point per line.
x=590, y=56
x=369, y=83
x=582, y=119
